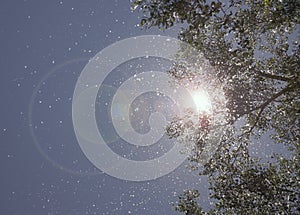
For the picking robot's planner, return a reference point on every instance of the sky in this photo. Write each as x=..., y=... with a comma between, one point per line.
x=44, y=47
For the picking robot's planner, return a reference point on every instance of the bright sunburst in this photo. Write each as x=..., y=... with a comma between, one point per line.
x=201, y=100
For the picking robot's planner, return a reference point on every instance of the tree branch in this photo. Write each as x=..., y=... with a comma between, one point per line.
x=271, y=76
x=275, y=96
x=262, y=107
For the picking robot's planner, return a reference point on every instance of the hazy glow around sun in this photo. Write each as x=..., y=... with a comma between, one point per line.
x=201, y=100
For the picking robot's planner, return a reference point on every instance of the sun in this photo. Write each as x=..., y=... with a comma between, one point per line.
x=201, y=100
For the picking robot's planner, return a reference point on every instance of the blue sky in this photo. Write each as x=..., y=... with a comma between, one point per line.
x=44, y=47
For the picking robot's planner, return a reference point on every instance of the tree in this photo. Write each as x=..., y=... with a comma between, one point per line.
x=253, y=48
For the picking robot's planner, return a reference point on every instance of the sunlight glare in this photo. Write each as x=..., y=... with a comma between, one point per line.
x=202, y=101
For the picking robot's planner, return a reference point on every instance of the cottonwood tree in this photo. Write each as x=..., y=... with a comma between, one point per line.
x=253, y=47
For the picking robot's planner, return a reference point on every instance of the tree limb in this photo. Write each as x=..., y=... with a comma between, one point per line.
x=275, y=96
x=276, y=77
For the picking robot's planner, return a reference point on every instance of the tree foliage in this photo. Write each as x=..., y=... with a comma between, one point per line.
x=253, y=48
